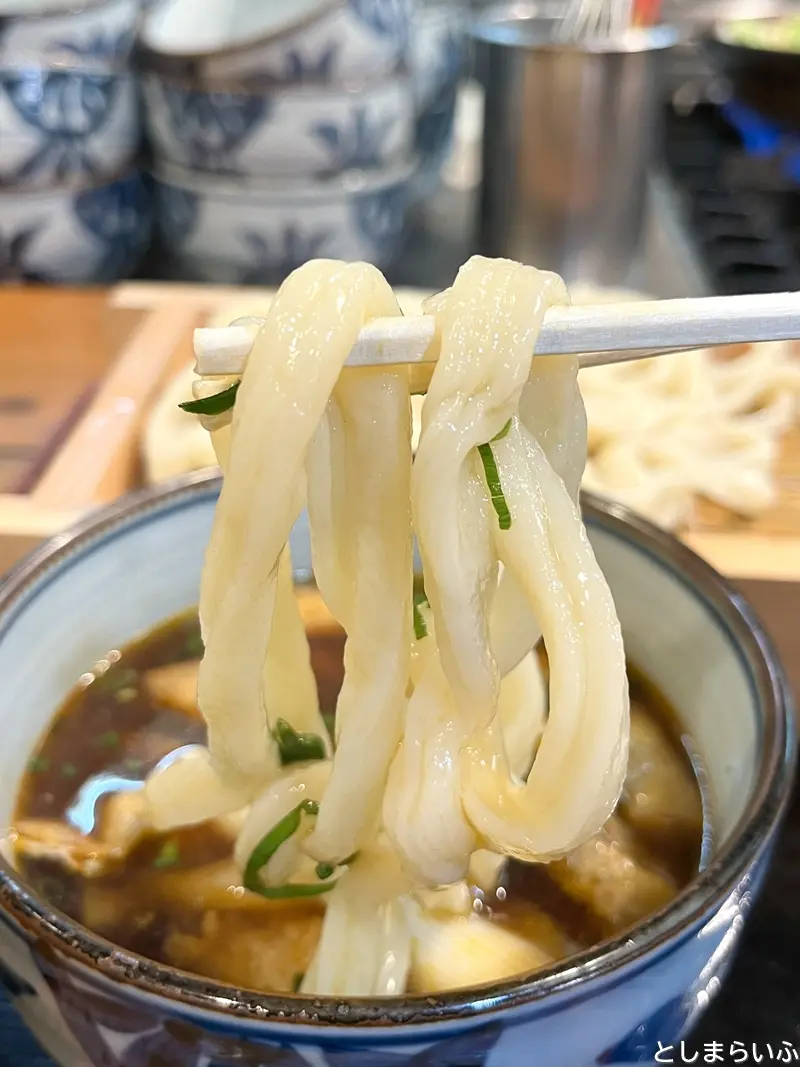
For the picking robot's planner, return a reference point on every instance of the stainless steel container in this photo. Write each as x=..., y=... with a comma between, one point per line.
x=568, y=138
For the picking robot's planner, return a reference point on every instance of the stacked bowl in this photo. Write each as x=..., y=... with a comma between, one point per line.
x=73, y=207
x=280, y=132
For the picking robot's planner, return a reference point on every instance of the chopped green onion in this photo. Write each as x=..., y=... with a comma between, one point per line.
x=110, y=739
x=68, y=770
x=215, y=404
x=297, y=981
x=193, y=646
x=295, y=747
x=324, y=871
x=495, y=488
x=420, y=626
x=132, y=764
x=503, y=433
x=38, y=764
x=168, y=855
x=266, y=849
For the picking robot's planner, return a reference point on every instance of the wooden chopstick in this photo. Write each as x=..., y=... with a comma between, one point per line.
x=602, y=333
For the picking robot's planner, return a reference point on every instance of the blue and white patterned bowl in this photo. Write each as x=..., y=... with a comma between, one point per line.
x=292, y=131
x=278, y=43
x=437, y=51
x=131, y=565
x=97, y=233
x=64, y=125
x=438, y=60
x=254, y=233
x=47, y=32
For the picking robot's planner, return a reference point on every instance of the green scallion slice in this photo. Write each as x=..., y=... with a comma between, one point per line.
x=420, y=626
x=215, y=404
x=266, y=849
x=168, y=855
x=503, y=433
x=297, y=747
x=495, y=488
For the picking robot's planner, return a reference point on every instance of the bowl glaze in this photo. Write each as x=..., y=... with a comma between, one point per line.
x=100, y=32
x=245, y=232
x=286, y=42
x=90, y=233
x=296, y=131
x=66, y=125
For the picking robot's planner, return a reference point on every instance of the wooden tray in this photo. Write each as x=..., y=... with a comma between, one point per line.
x=126, y=342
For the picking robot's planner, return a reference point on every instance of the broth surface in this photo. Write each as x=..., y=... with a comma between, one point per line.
x=176, y=898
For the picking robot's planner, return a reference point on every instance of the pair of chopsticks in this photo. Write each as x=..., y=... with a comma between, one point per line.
x=598, y=334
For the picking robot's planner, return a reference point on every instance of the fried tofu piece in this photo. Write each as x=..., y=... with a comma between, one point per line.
x=660, y=795
x=175, y=686
x=459, y=952
x=51, y=839
x=265, y=956
x=608, y=877
x=122, y=826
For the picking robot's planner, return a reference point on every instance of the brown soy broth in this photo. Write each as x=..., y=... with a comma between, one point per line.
x=176, y=897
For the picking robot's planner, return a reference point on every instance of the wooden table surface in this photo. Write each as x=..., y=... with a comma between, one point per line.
x=55, y=346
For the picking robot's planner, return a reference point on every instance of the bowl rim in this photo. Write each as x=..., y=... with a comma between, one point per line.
x=165, y=60
x=13, y=191
x=400, y=77
x=270, y=191
x=615, y=959
x=68, y=10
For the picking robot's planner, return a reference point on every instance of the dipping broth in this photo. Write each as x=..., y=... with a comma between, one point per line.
x=83, y=844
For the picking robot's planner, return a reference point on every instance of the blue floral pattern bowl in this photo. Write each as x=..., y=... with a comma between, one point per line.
x=287, y=42
x=54, y=32
x=280, y=133
x=89, y=1003
x=63, y=125
x=96, y=233
x=243, y=232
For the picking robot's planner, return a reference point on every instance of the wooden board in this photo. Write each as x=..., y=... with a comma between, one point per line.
x=119, y=348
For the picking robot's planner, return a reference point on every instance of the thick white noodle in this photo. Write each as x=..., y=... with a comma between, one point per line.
x=365, y=944
x=447, y=760
x=663, y=432
x=488, y=323
x=290, y=375
x=370, y=568
x=550, y=408
x=579, y=768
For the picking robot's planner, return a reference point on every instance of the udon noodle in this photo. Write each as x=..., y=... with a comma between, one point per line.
x=449, y=755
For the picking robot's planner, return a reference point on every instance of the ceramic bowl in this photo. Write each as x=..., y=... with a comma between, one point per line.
x=437, y=50
x=298, y=131
x=133, y=564
x=283, y=42
x=246, y=232
x=64, y=125
x=438, y=59
x=95, y=233
x=44, y=32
